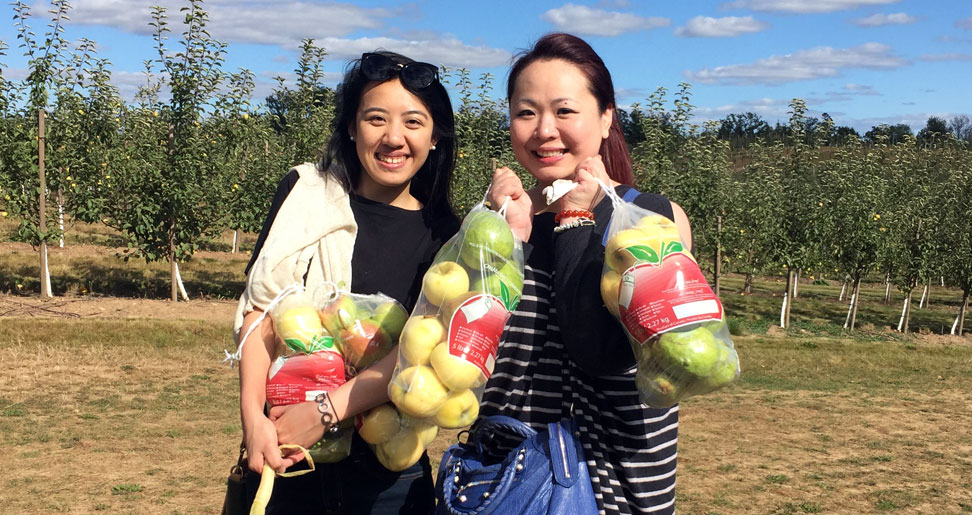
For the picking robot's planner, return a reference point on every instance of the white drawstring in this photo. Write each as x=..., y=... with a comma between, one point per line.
x=238, y=355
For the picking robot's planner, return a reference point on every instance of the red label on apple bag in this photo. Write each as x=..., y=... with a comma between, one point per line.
x=475, y=331
x=654, y=298
x=301, y=377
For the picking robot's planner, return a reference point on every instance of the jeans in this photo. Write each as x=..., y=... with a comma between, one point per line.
x=358, y=484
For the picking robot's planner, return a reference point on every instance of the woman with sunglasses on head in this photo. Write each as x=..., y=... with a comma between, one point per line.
x=563, y=353
x=382, y=212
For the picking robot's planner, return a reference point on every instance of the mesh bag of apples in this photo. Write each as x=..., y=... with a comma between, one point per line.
x=322, y=339
x=448, y=345
x=674, y=322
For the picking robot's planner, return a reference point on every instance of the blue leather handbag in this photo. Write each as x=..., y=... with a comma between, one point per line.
x=546, y=473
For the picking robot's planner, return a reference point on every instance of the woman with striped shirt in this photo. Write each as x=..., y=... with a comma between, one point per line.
x=563, y=353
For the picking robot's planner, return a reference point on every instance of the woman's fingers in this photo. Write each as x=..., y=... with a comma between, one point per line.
x=589, y=175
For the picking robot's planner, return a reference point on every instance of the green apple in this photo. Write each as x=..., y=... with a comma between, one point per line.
x=419, y=336
x=443, y=281
x=610, y=284
x=380, y=424
x=656, y=388
x=486, y=237
x=490, y=279
x=453, y=371
x=391, y=316
x=417, y=391
x=401, y=451
x=726, y=370
x=459, y=410
x=694, y=351
x=340, y=313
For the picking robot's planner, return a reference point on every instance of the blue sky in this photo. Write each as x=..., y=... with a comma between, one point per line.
x=862, y=61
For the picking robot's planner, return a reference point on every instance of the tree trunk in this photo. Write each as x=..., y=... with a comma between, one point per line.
x=790, y=274
x=748, y=283
x=962, y=310
x=718, y=255
x=887, y=288
x=173, y=267
x=856, y=300
x=906, y=314
x=236, y=242
x=843, y=288
x=60, y=215
x=45, y=274
x=924, y=294
x=796, y=283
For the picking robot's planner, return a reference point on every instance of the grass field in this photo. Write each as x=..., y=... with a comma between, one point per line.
x=130, y=410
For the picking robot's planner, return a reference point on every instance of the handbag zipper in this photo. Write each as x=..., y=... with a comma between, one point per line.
x=563, y=452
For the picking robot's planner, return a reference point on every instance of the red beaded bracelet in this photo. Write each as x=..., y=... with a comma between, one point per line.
x=573, y=213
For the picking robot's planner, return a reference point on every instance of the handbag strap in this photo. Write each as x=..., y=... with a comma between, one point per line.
x=563, y=452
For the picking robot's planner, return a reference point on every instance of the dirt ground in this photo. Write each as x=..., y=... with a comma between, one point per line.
x=114, y=307
x=741, y=451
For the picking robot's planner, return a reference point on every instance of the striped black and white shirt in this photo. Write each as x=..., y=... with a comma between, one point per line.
x=564, y=353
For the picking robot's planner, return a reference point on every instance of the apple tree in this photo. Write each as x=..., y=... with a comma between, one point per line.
x=165, y=202
x=482, y=136
x=855, y=188
x=244, y=144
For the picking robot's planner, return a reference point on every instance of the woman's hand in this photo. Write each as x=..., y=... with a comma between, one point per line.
x=298, y=424
x=588, y=191
x=519, y=209
x=261, y=445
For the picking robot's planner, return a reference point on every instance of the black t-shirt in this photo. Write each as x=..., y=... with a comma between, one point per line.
x=392, y=249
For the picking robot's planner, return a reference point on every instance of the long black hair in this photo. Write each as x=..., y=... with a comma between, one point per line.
x=431, y=184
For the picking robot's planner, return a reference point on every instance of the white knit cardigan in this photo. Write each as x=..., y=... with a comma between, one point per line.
x=312, y=235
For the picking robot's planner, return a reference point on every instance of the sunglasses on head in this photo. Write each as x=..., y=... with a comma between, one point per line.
x=413, y=75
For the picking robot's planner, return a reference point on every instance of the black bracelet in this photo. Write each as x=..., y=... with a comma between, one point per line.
x=326, y=409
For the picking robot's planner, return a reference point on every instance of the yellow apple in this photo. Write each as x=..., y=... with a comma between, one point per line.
x=380, y=424
x=620, y=259
x=400, y=452
x=453, y=371
x=459, y=410
x=443, y=281
x=658, y=225
x=417, y=391
x=299, y=327
x=450, y=306
x=426, y=430
x=610, y=282
x=419, y=336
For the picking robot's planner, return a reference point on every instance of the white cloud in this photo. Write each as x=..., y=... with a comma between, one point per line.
x=880, y=20
x=803, y=6
x=447, y=51
x=729, y=26
x=808, y=64
x=954, y=56
x=242, y=21
x=860, y=89
x=965, y=23
x=580, y=19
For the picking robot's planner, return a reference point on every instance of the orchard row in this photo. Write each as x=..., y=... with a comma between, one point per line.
x=194, y=154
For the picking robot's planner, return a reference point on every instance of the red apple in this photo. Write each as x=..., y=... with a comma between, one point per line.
x=364, y=342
